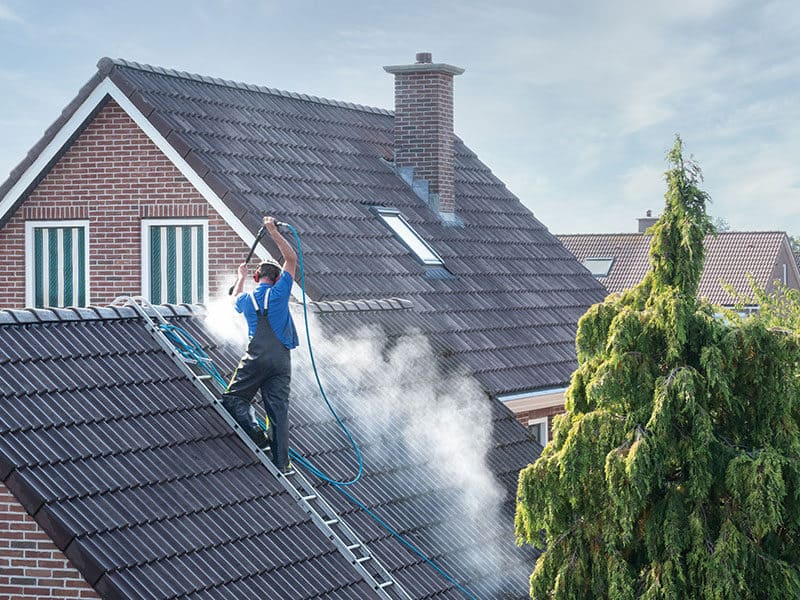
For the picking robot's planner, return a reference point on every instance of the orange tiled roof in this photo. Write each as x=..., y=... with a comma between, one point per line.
x=730, y=257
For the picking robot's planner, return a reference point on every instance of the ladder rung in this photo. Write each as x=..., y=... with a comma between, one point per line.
x=386, y=584
x=330, y=522
x=310, y=497
x=353, y=546
x=204, y=377
x=363, y=559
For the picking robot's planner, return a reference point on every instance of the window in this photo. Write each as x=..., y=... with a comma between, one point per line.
x=540, y=430
x=408, y=236
x=599, y=267
x=56, y=254
x=174, y=261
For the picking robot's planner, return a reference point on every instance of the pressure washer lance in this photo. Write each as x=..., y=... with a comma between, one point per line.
x=259, y=235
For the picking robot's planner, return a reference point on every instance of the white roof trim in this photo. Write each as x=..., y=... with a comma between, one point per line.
x=108, y=88
x=534, y=400
x=531, y=394
x=45, y=156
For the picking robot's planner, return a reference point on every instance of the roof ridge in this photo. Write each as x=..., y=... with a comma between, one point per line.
x=625, y=233
x=105, y=65
x=641, y=233
x=360, y=305
x=11, y=316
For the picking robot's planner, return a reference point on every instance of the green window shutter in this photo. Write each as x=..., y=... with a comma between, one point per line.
x=52, y=268
x=67, y=299
x=38, y=261
x=155, y=265
x=200, y=269
x=59, y=259
x=186, y=264
x=177, y=264
x=82, y=300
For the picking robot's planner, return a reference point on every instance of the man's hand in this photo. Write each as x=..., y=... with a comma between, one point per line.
x=238, y=287
x=289, y=256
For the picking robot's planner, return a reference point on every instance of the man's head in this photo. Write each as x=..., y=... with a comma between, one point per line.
x=267, y=271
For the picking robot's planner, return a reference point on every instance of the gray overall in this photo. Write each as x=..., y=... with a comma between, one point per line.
x=267, y=366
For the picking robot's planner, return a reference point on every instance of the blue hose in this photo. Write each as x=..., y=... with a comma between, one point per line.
x=340, y=485
x=399, y=536
x=296, y=456
x=190, y=349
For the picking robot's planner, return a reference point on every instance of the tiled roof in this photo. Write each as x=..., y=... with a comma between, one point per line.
x=630, y=252
x=150, y=494
x=136, y=478
x=509, y=312
x=730, y=257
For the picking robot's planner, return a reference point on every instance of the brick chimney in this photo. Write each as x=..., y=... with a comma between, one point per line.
x=423, y=127
x=647, y=221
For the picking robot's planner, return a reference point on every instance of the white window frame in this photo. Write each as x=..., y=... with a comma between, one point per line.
x=610, y=260
x=145, y=235
x=545, y=422
x=409, y=236
x=30, y=300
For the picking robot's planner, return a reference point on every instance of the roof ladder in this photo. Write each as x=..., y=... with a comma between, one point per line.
x=298, y=485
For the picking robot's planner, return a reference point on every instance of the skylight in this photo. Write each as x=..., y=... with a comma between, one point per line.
x=599, y=266
x=408, y=236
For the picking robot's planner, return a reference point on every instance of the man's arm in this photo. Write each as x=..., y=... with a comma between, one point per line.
x=238, y=287
x=288, y=253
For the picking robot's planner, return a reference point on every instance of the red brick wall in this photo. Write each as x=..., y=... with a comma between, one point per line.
x=114, y=176
x=31, y=566
x=423, y=131
x=549, y=412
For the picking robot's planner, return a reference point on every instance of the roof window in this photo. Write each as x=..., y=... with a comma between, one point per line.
x=599, y=266
x=421, y=249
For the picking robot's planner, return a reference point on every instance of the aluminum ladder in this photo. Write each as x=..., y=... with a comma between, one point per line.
x=347, y=542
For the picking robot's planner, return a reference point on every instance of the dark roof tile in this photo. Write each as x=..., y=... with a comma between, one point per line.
x=320, y=163
x=145, y=488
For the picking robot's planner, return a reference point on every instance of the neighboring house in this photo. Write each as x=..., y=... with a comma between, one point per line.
x=139, y=489
x=153, y=182
x=621, y=260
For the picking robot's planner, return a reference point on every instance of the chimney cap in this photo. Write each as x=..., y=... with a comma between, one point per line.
x=424, y=64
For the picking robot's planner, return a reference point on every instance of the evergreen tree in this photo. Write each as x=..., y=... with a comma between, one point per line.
x=675, y=471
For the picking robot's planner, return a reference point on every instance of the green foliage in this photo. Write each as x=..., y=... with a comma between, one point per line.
x=675, y=471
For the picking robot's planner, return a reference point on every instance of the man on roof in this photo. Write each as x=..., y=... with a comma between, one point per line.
x=266, y=365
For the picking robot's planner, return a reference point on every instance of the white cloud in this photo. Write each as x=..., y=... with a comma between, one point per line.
x=643, y=186
x=6, y=14
x=762, y=193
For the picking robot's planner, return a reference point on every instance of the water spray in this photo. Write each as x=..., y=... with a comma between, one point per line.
x=193, y=350
x=341, y=485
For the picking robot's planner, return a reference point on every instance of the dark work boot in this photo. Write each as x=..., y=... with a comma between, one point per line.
x=259, y=437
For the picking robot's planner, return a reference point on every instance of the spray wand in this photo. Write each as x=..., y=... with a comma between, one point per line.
x=259, y=235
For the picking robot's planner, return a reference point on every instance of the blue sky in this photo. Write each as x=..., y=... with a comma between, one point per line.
x=573, y=104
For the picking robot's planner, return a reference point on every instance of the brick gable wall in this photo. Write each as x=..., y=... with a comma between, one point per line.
x=113, y=176
x=31, y=566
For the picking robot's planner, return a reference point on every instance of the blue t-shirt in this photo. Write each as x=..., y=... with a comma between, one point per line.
x=277, y=310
